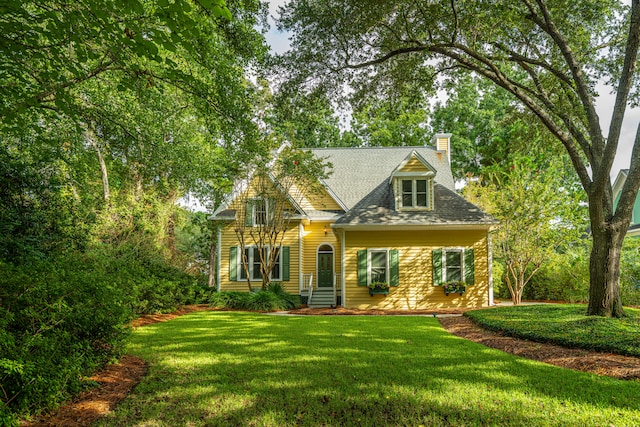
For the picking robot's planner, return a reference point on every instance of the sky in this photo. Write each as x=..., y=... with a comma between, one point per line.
x=279, y=43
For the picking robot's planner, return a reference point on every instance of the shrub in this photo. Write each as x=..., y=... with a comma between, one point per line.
x=276, y=298
x=263, y=301
x=64, y=316
x=499, y=287
x=227, y=299
x=61, y=319
x=564, y=277
x=630, y=272
x=287, y=301
x=150, y=283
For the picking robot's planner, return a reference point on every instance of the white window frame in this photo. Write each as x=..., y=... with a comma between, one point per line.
x=250, y=260
x=254, y=211
x=414, y=193
x=369, y=265
x=460, y=251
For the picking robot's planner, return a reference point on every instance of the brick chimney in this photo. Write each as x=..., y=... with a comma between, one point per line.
x=442, y=141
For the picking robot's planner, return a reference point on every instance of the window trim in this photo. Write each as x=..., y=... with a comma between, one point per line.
x=387, y=264
x=460, y=252
x=467, y=263
x=253, y=203
x=414, y=178
x=251, y=261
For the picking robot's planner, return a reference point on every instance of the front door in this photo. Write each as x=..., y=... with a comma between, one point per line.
x=325, y=269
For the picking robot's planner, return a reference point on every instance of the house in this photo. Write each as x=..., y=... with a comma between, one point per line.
x=385, y=214
x=634, y=227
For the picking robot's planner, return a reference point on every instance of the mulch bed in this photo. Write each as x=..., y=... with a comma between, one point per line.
x=339, y=311
x=612, y=365
x=116, y=381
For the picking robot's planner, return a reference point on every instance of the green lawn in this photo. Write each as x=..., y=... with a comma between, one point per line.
x=232, y=368
x=566, y=325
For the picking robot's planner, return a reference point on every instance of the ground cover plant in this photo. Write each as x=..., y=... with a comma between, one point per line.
x=566, y=325
x=275, y=298
x=231, y=368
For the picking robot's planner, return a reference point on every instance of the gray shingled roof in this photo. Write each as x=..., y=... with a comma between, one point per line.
x=358, y=171
x=449, y=209
x=360, y=179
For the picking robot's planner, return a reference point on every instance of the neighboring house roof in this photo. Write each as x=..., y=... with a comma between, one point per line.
x=621, y=178
x=619, y=182
x=360, y=182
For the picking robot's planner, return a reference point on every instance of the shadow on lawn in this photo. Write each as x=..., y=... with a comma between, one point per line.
x=247, y=369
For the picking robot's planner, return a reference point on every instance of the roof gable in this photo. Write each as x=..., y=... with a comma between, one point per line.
x=245, y=185
x=413, y=165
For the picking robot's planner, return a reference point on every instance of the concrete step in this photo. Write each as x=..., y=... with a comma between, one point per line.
x=322, y=298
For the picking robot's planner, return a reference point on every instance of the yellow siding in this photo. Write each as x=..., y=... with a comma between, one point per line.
x=416, y=290
x=319, y=200
x=442, y=144
x=229, y=239
x=414, y=165
x=314, y=236
x=239, y=204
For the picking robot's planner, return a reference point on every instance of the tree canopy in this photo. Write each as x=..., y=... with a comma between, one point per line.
x=548, y=54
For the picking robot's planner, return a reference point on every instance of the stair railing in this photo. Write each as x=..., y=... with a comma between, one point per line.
x=307, y=284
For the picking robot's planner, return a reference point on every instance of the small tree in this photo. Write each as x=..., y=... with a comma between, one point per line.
x=268, y=201
x=536, y=218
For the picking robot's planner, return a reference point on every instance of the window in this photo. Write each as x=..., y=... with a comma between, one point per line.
x=453, y=265
x=258, y=213
x=407, y=192
x=378, y=265
x=414, y=193
x=253, y=260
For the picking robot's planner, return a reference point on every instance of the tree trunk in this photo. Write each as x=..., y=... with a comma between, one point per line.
x=213, y=250
x=604, y=269
x=171, y=236
x=90, y=135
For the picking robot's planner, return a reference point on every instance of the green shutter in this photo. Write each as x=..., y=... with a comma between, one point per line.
x=248, y=214
x=362, y=268
x=233, y=263
x=285, y=263
x=437, y=267
x=469, y=273
x=394, y=268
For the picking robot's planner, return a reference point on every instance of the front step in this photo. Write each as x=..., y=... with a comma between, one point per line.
x=321, y=298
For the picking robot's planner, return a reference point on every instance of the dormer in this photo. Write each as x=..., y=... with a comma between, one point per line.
x=412, y=183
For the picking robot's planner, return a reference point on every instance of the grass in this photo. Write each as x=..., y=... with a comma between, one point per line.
x=232, y=368
x=565, y=325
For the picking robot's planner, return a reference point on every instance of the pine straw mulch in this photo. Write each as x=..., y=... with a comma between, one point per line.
x=116, y=381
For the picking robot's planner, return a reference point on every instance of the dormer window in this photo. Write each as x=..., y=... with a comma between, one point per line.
x=415, y=193
x=412, y=184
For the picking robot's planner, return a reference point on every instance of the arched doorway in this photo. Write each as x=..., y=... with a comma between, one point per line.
x=325, y=266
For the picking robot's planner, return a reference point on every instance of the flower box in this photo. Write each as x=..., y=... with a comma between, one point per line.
x=378, y=288
x=454, y=287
